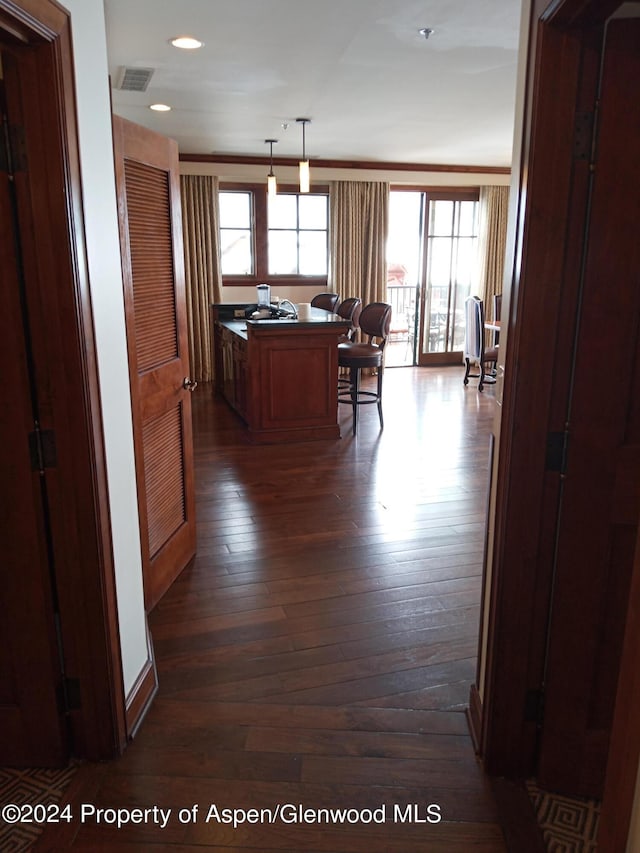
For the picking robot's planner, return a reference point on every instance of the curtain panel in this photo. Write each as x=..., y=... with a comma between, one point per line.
x=494, y=208
x=203, y=279
x=359, y=224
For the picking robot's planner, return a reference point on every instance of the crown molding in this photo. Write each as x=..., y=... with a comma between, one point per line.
x=378, y=165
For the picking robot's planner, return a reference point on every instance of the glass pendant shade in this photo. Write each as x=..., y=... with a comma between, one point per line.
x=304, y=162
x=272, y=186
x=304, y=176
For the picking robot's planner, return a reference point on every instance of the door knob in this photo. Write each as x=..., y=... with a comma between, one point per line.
x=189, y=384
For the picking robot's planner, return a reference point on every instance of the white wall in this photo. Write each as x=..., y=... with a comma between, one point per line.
x=103, y=252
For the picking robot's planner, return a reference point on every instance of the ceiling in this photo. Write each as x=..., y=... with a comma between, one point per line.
x=373, y=87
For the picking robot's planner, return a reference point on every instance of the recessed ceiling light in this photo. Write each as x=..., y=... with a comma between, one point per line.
x=160, y=108
x=186, y=42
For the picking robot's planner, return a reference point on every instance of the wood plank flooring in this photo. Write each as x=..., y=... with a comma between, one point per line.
x=320, y=649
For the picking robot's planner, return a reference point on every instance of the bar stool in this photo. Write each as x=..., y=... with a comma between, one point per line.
x=328, y=301
x=350, y=310
x=375, y=321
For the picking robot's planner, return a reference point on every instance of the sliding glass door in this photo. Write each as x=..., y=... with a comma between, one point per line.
x=432, y=265
x=450, y=270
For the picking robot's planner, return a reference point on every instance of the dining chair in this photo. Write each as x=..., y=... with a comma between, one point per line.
x=474, y=347
x=374, y=322
x=328, y=301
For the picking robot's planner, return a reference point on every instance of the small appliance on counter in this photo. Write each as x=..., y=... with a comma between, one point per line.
x=265, y=310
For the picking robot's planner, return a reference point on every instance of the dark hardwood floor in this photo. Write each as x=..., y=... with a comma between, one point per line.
x=320, y=649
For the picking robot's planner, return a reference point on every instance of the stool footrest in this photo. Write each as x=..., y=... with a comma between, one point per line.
x=361, y=397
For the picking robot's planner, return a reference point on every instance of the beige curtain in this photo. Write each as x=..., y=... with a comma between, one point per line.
x=202, y=267
x=494, y=204
x=359, y=226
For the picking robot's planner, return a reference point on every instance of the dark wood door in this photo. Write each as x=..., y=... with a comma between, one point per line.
x=599, y=508
x=152, y=263
x=30, y=674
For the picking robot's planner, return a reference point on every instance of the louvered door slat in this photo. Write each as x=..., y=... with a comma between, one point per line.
x=163, y=466
x=150, y=246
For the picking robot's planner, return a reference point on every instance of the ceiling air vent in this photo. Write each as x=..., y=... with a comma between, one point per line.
x=134, y=79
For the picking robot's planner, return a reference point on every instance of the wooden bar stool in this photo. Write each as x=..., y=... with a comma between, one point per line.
x=350, y=309
x=328, y=301
x=375, y=321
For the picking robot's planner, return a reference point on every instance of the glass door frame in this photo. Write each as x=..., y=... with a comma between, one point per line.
x=424, y=359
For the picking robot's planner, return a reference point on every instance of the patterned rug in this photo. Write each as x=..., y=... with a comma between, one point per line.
x=569, y=825
x=32, y=787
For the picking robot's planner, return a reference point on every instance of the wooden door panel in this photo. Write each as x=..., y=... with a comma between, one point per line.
x=30, y=722
x=152, y=262
x=599, y=510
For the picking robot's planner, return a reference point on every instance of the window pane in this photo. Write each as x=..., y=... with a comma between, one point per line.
x=457, y=329
x=439, y=263
x=313, y=211
x=404, y=242
x=235, y=210
x=466, y=261
x=313, y=253
x=282, y=211
x=467, y=218
x=441, y=217
x=283, y=253
x=235, y=252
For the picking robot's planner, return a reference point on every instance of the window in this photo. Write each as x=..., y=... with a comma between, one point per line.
x=298, y=234
x=286, y=237
x=236, y=239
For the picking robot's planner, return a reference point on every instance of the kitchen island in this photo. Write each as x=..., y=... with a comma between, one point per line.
x=279, y=375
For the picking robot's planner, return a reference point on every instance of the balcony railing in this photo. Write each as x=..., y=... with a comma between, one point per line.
x=403, y=300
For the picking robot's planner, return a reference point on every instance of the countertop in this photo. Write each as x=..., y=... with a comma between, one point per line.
x=319, y=317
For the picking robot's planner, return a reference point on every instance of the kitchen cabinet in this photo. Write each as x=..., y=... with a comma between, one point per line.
x=280, y=375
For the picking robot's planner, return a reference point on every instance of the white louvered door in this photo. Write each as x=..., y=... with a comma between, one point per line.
x=152, y=260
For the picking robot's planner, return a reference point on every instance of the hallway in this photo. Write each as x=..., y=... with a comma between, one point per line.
x=319, y=651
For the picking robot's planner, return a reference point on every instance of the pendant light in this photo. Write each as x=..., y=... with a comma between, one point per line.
x=272, y=186
x=304, y=163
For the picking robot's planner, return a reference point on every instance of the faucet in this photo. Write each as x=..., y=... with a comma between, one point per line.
x=293, y=307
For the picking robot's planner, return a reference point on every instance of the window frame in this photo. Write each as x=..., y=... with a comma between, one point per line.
x=260, y=238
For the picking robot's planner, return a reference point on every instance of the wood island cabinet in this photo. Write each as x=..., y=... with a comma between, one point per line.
x=231, y=369
x=280, y=376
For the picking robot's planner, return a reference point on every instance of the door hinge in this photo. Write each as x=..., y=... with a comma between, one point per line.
x=556, y=451
x=42, y=448
x=534, y=706
x=583, y=136
x=69, y=698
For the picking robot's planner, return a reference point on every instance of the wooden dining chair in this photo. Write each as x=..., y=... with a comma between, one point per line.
x=474, y=348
